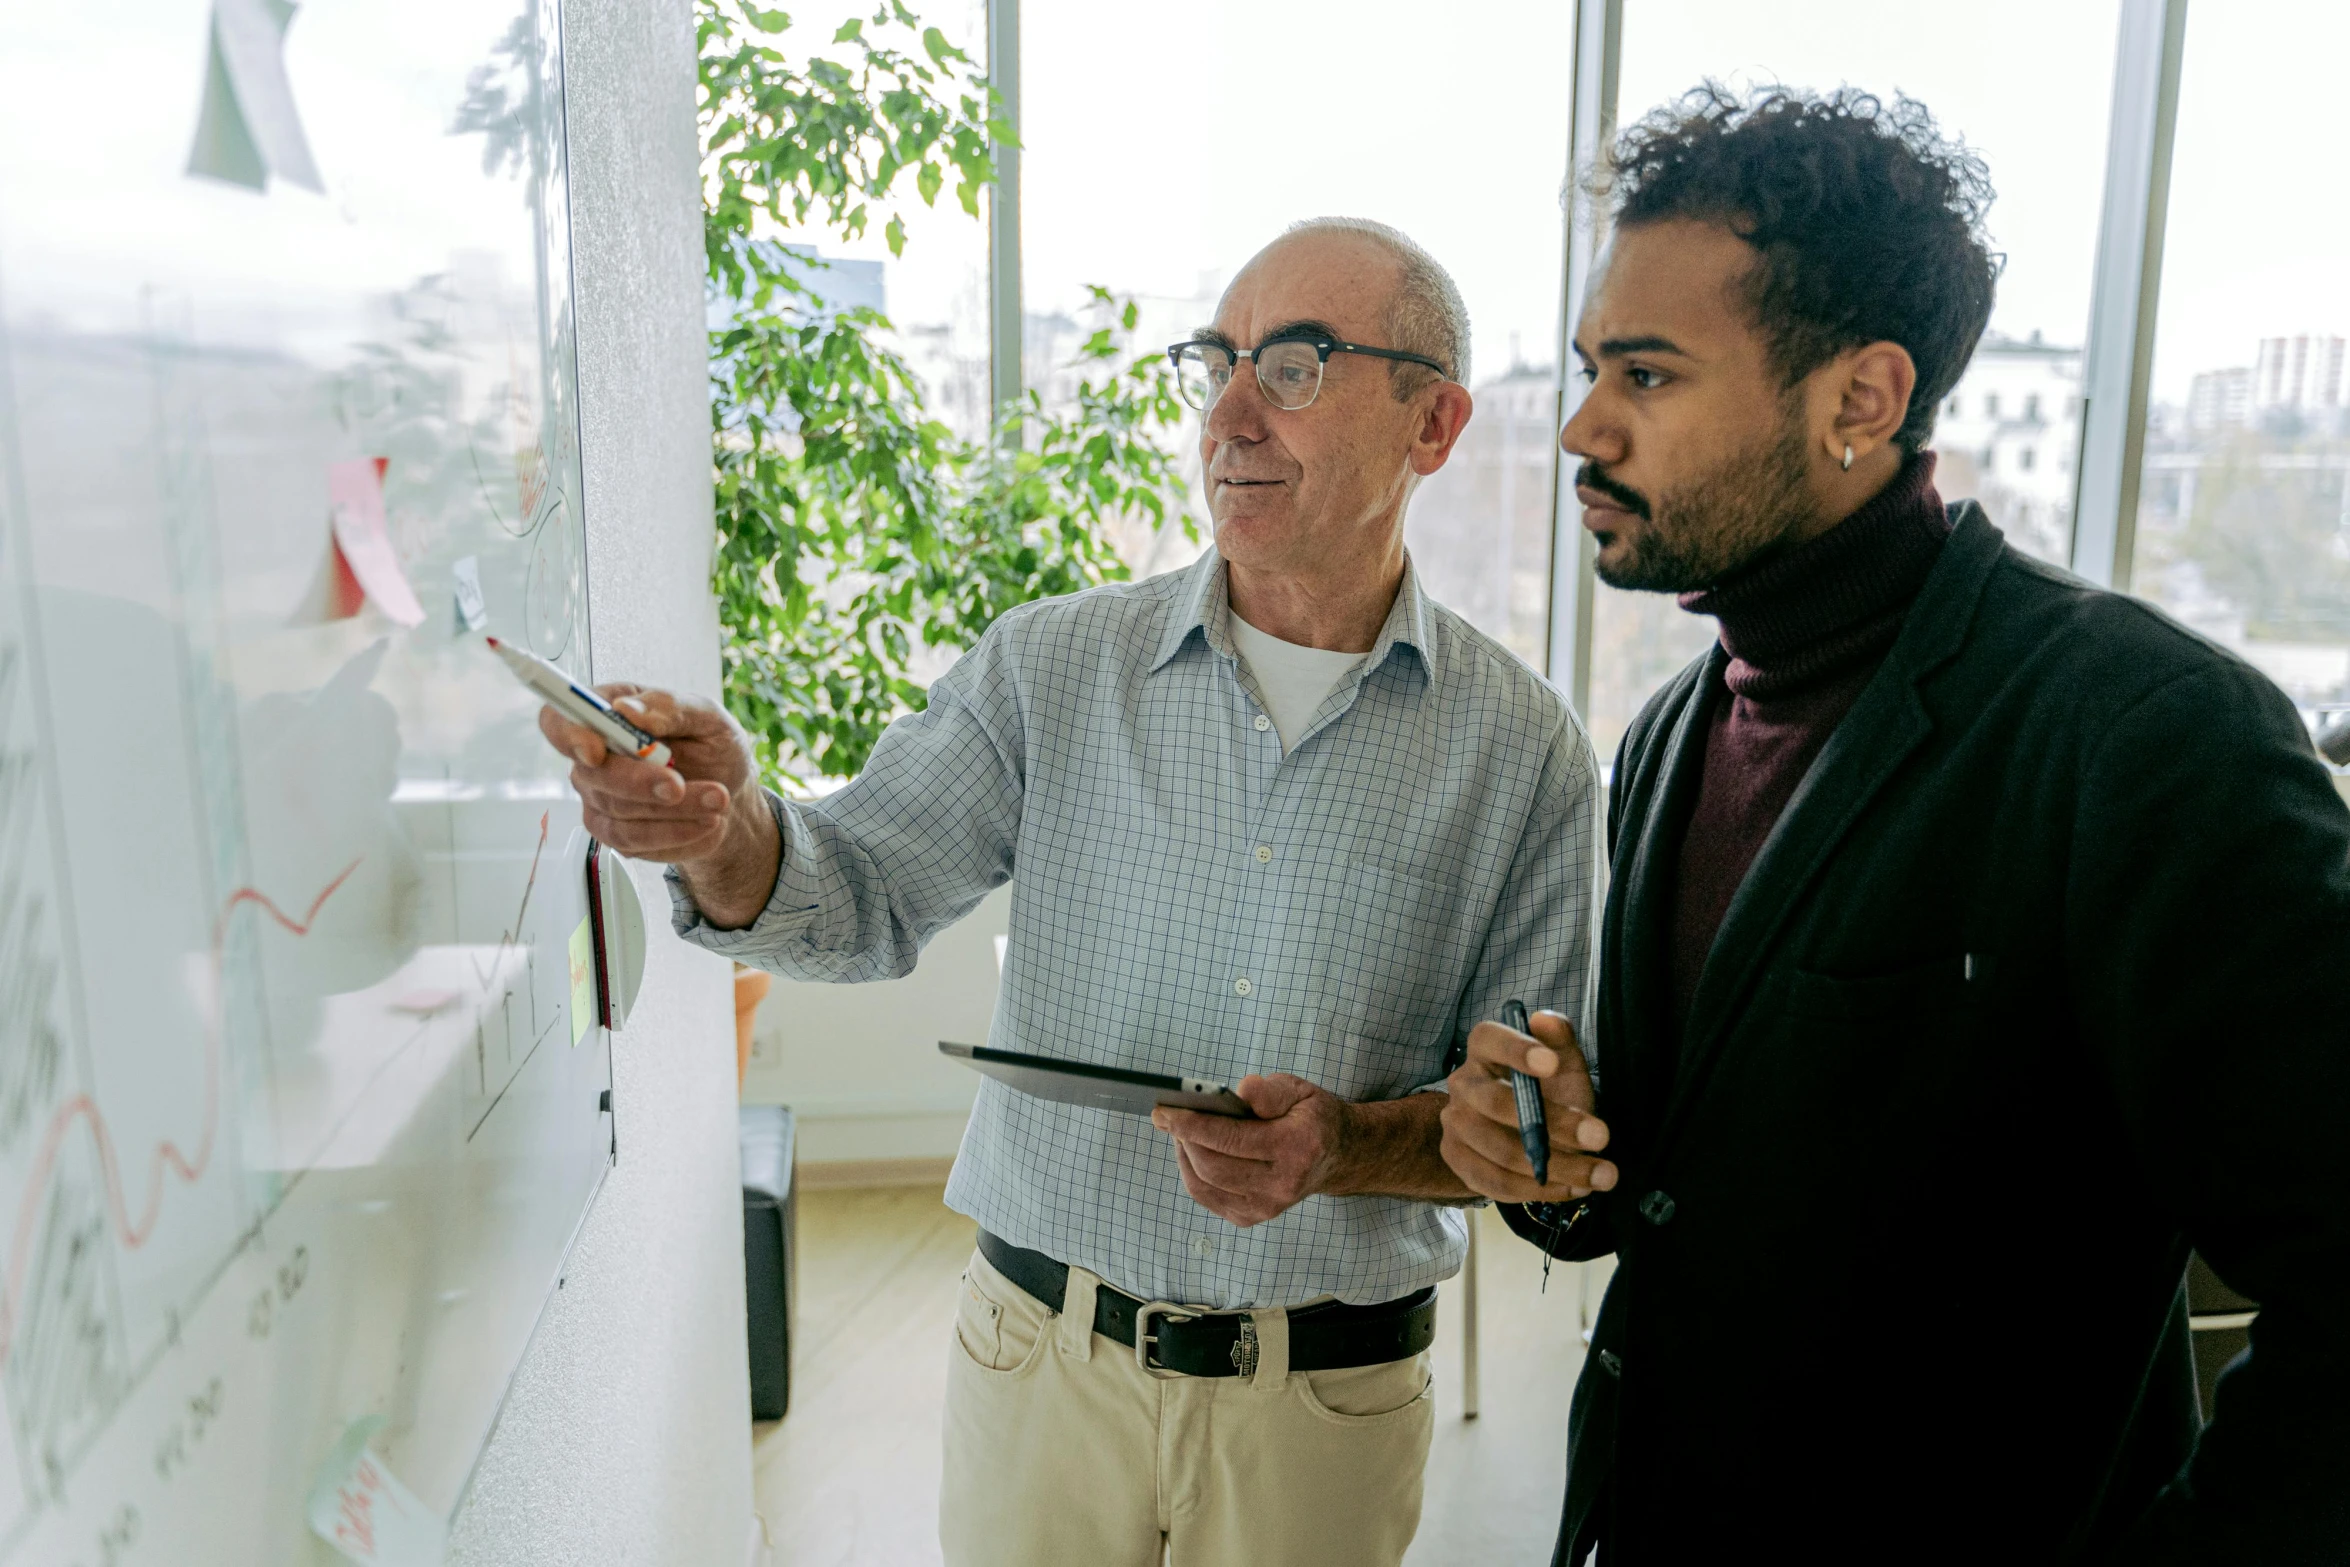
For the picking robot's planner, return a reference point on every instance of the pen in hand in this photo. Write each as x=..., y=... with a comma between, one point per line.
x=1533, y=1125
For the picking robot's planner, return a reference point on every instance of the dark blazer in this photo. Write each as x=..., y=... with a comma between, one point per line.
x=2043, y=976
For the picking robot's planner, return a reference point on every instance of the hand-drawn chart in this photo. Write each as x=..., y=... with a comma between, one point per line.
x=298, y=1112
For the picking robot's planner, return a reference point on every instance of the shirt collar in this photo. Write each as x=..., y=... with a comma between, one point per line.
x=1205, y=605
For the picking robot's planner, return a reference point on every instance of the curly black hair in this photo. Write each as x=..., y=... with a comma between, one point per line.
x=1867, y=222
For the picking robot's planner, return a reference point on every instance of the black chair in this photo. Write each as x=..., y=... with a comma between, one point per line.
x=770, y=1253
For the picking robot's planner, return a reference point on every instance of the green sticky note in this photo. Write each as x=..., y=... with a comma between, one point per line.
x=583, y=982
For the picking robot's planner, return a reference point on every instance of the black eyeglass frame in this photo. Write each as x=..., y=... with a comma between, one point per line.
x=1323, y=346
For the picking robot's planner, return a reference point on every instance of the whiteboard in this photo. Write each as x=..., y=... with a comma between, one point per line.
x=300, y=1109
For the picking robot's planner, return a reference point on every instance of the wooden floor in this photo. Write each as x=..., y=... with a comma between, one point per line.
x=850, y=1479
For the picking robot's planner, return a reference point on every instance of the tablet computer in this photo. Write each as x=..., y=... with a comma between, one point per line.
x=1102, y=1087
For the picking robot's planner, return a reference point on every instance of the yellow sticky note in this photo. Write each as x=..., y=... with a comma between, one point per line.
x=583, y=982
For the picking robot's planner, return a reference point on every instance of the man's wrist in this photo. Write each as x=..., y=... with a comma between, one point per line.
x=1393, y=1148
x=1350, y=1145
x=733, y=887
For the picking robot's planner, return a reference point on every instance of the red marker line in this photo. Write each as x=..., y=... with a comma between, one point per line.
x=168, y=1154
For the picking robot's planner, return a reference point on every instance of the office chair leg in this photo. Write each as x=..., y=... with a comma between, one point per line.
x=1469, y=1324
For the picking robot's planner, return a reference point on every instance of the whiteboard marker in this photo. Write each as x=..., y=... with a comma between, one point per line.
x=582, y=706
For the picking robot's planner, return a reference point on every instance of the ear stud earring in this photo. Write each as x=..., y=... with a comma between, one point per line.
x=1847, y=456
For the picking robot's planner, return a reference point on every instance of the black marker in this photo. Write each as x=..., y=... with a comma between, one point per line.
x=1533, y=1125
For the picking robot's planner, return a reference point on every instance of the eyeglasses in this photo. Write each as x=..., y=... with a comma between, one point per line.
x=1289, y=369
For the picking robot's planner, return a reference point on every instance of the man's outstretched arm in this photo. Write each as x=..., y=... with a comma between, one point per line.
x=844, y=888
x=703, y=813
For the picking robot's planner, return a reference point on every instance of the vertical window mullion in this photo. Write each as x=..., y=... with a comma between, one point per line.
x=1599, y=31
x=2120, y=359
x=1005, y=317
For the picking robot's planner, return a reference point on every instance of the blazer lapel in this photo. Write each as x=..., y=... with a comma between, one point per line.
x=1645, y=871
x=1884, y=728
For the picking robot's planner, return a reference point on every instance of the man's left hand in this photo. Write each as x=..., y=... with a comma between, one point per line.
x=1251, y=1171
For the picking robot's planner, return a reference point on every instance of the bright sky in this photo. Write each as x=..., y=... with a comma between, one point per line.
x=1452, y=125
x=2259, y=237
x=1456, y=132
x=2027, y=83
x=1168, y=141
x=1150, y=181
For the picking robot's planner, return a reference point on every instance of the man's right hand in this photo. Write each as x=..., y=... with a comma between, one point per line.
x=703, y=813
x=1481, y=1140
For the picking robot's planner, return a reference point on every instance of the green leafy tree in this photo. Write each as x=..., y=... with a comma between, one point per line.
x=2269, y=536
x=853, y=528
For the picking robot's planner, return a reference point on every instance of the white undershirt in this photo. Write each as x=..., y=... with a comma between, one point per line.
x=1295, y=680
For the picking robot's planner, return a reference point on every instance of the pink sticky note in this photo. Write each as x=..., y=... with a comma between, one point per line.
x=358, y=1506
x=355, y=495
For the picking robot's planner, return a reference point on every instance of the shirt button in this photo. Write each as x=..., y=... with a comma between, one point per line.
x=1203, y=1245
x=1241, y=987
x=1611, y=1362
x=1263, y=723
x=1264, y=853
x=1657, y=1209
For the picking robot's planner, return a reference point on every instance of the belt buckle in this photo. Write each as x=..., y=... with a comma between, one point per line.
x=1142, y=1335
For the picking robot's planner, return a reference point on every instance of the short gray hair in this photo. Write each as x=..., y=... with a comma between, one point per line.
x=1427, y=316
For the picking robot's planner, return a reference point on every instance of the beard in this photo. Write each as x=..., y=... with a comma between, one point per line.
x=1727, y=517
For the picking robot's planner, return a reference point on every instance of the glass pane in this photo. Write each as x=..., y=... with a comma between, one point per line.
x=2009, y=431
x=935, y=292
x=1165, y=195
x=2243, y=508
x=288, y=419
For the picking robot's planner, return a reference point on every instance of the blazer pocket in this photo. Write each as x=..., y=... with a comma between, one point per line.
x=1943, y=984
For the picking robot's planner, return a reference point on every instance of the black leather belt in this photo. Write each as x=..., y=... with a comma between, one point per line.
x=1326, y=1337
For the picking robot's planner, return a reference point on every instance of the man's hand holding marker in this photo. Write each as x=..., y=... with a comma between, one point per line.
x=666, y=778
x=1482, y=1139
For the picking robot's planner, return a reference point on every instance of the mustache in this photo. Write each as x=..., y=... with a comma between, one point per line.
x=1591, y=476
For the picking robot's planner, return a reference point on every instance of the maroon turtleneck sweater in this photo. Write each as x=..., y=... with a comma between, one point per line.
x=1804, y=631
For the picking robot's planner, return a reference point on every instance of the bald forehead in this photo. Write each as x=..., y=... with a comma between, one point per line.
x=1346, y=280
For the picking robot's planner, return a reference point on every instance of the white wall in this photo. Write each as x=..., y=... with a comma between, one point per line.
x=626, y=1439
x=859, y=1064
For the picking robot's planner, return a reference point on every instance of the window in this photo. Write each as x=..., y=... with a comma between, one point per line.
x=2243, y=523
x=2024, y=459
x=2038, y=117
x=935, y=293
x=2032, y=409
x=1182, y=184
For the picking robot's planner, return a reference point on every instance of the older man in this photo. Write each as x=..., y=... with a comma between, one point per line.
x=1278, y=819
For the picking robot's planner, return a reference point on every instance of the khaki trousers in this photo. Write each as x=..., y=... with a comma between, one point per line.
x=1062, y=1452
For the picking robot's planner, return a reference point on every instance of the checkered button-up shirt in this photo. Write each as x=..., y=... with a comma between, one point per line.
x=1187, y=899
